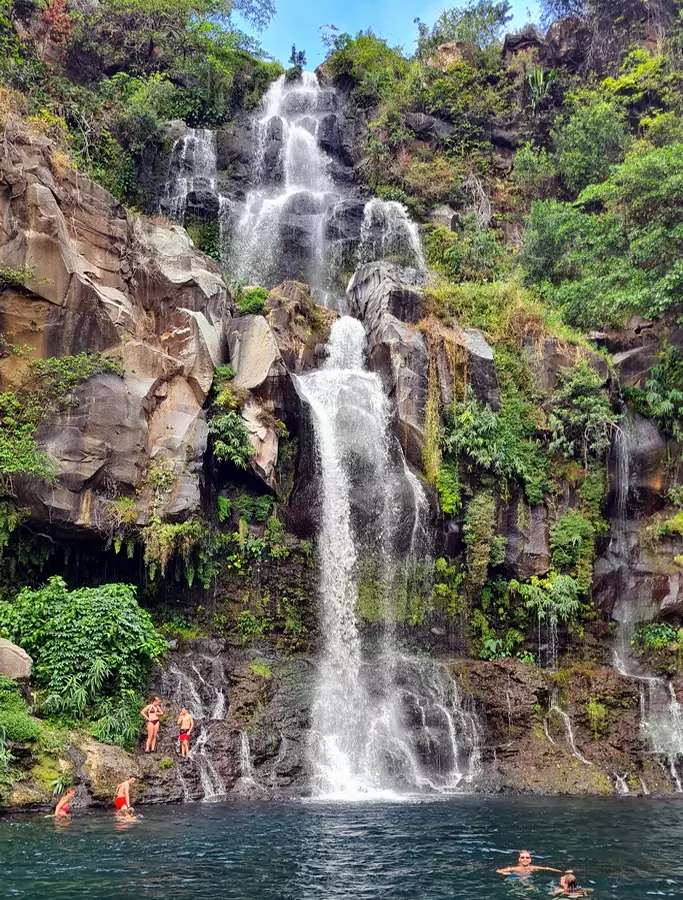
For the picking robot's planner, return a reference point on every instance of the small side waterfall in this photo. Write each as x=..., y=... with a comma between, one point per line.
x=661, y=717
x=569, y=730
x=386, y=721
x=192, y=169
x=389, y=233
x=204, y=696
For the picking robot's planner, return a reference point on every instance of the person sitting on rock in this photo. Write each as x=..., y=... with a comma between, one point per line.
x=122, y=798
x=186, y=726
x=524, y=868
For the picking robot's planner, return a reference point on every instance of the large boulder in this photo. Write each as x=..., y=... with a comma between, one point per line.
x=15, y=663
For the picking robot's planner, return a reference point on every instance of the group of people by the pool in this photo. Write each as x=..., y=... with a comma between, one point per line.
x=525, y=869
x=152, y=714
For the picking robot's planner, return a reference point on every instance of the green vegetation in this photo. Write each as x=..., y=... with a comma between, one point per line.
x=93, y=648
x=662, y=398
x=656, y=636
x=252, y=301
x=582, y=416
x=597, y=718
x=15, y=722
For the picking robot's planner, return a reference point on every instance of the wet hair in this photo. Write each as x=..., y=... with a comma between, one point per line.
x=525, y=853
x=570, y=879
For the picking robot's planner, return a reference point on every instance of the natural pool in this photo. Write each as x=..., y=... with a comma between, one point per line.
x=623, y=848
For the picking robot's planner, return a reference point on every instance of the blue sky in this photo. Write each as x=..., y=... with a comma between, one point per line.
x=297, y=22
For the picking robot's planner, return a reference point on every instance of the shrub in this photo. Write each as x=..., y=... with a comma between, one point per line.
x=656, y=636
x=582, y=416
x=15, y=722
x=252, y=301
x=590, y=141
x=231, y=441
x=504, y=443
x=88, y=645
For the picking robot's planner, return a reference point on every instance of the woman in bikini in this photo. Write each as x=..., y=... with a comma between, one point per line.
x=152, y=714
x=63, y=809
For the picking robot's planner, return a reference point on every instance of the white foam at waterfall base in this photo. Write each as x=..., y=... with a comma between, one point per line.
x=361, y=745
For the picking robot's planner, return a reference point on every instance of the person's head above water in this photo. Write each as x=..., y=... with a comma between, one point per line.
x=524, y=858
x=568, y=881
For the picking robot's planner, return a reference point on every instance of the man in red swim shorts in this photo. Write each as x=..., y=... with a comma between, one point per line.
x=122, y=799
x=186, y=726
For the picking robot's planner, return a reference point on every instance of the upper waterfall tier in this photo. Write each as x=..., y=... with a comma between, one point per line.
x=302, y=219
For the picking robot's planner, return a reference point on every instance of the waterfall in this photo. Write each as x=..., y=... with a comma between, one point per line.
x=620, y=783
x=619, y=540
x=192, y=168
x=285, y=210
x=569, y=730
x=661, y=717
x=389, y=233
x=205, y=699
x=302, y=219
x=386, y=721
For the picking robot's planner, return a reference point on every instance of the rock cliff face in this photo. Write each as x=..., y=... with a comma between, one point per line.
x=121, y=287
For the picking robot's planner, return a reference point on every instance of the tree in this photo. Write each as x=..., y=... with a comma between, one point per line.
x=297, y=58
x=590, y=141
x=481, y=22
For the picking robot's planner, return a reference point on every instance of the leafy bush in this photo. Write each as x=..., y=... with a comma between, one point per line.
x=88, y=645
x=656, y=636
x=662, y=398
x=552, y=598
x=582, y=416
x=590, y=141
x=504, y=443
x=15, y=722
x=572, y=542
x=448, y=488
x=231, y=442
x=473, y=254
x=617, y=251
x=252, y=301
x=118, y=720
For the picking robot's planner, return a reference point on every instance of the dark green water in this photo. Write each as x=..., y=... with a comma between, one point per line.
x=622, y=848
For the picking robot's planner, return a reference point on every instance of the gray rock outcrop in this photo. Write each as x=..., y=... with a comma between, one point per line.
x=15, y=663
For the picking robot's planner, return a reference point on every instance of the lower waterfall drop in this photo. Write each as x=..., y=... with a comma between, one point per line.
x=385, y=722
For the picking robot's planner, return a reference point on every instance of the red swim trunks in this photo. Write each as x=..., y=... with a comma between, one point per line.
x=120, y=802
x=183, y=736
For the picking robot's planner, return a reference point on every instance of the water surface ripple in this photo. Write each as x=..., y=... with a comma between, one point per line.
x=623, y=848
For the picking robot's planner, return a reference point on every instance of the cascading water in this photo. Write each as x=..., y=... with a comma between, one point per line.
x=393, y=722
x=299, y=219
x=292, y=189
x=661, y=717
x=192, y=168
x=389, y=233
x=204, y=696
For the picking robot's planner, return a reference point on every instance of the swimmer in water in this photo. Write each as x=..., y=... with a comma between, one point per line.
x=569, y=888
x=122, y=798
x=63, y=808
x=524, y=868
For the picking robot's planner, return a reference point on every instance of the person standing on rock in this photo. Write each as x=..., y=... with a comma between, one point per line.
x=122, y=798
x=524, y=868
x=186, y=726
x=152, y=715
